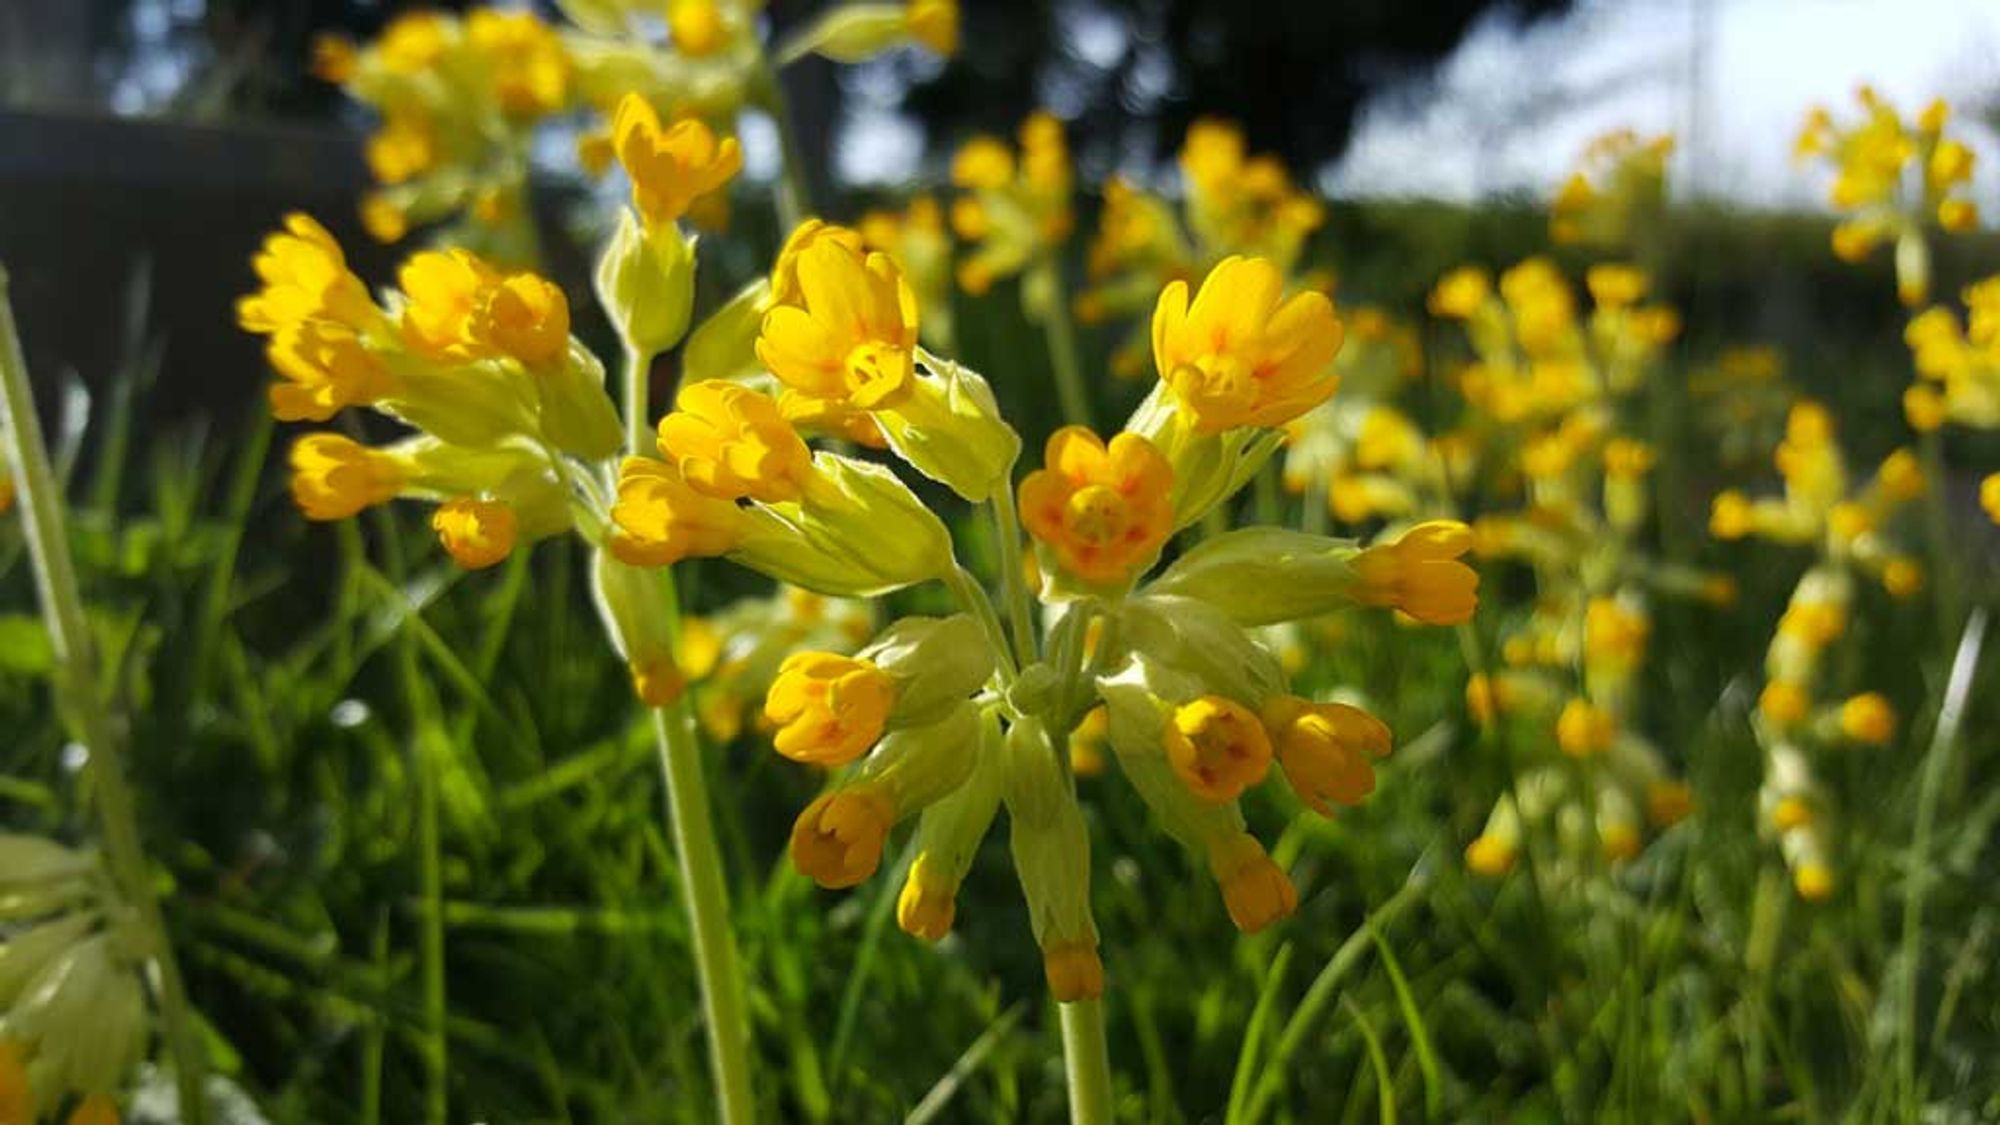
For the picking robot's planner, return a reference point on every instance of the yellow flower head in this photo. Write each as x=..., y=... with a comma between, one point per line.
x=1420, y=574
x=1584, y=729
x=1615, y=286
x=928, y=903
x=325, y=367
x=1460, y=293
x=1783, y=703
x=1731, y=515
x=1614, y=632
x=670, y=167
x=530, y=68
x=334, y=477
x=1989, y=497
x=414, y=41
x=1256, y=890
x=984, y=163
x=1236, y=356
x=853, y=332
x=837, y=841
x=1815, y=624
x=661, y=519
x=1813, y=881
x=1625, y=457
x=476, y=533
x=1218, y=748
x=1102, y=510
x=1074, y=971
x=1868, y=718
x=304, y=276
x=829, y=709
x=1490, y=856
x=785, y=273
x=1327, y=750
x=405, y=147
x=730, y=442
x=444, y=290
x=934, y=23
x=524, y=316
x=696, y=27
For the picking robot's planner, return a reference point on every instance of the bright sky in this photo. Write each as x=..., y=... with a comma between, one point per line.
x=1512, y=109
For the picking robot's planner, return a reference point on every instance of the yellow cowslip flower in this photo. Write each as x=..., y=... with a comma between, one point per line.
x=529, y=66
x=1668, y=803
x=670, y=167
x=326, y=367
x=1900, y=478
x=476, y=533
x=1236, y=356
x=1923, y=408
x=928, y=902
x=1420, y=574
x=852, y=335
x=413, y=42
x=661, y=519
x=1616, y=286
x=1816, y=624
x=1813, y=881
x=785, y=271
x=305, y=276
x=383, y=218
x=523, y=316
x=1731, y=515
x=1256, y=890
x=1087, y=742
x=1490, y=856
x=443, y=291
x=1989, y=496
x=934, y=23
x=730, y=442
x=1783, y=703
x=1791, y=813
x=1902, y=577
x=1584, y=730
x=828, y=708
x=696, y=27
x=1218, y=748
x=1868, y=718
x=837, y=841
x=335, y=477
x=404, y=147
x=1103, y=511
x=1626, y=457
x=1074, y=971
x=1614, y=632
x=1460, y=293
x=1327, y=750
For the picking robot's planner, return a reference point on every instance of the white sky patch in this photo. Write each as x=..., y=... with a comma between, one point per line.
x=1511, y=110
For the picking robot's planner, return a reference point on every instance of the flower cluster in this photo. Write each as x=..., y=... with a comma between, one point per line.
x=948, y=719
x=73, y=1019
x=1234, y=204
x=1616, y=194
x=1871, y=159
x=1850, y=531
x=1958, y=365
x=1015, y=210
x=1358, y=456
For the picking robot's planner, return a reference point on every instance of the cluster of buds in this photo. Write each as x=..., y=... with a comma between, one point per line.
x=1571, y=499
x=460, y=99
x=1358, y=456
x=1741, y=399
x=1872, y=159
x=1958, y=365
x=73, y=1019
x=947, y=720
x=1616, y=194
x=1233, y=204
x=1848, y=528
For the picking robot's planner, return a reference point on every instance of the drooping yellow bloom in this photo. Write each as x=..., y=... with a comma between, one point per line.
x=785, y=271
x=1217, y=748
x=524, y=316
x=1255, y=889
x=1490, y=856
x=476, y=533
x=1460, y=293
x=1327, y=750
x=443, y=291
x=335, y=477
x=1584, y=730
x=405, y=147
x=1074, y=971
x=305, y=276
x=326, y=367
x=1614, y=632
x=526, y=58
x=1236, y=356
x=1420, y=574
x=670, y=167
x=853, y=332
x=730, y=442
x=829, y=709
x=1103, y=511
x=661, y=519
x=696, y=27
x=928, y=903
x=837, y=841
x=1868, y=718
x=1783, y=703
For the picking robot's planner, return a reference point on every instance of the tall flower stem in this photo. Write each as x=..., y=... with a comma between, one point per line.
x=1086, y=1062
x=706, y=897
x=1061, y=333
x=794, y=193
x=1020, y=611
x=704, y=892
x=77, y=686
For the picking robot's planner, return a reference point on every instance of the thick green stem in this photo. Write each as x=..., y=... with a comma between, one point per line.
x=706, y=897
x=69, y=637
x=638, y=375
x=1087, y=1062
x=1020, y=608
x=1061, y=332
x=972, y=598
